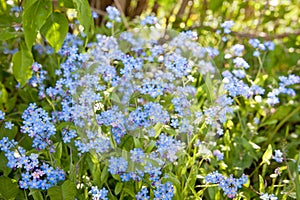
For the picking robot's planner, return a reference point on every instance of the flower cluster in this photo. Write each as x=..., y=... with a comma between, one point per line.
x=229, y=185
x=278, y=156
x=37, y=78
x=284, y=82
x=37, y=124
x=226, y=29
x=98, y=194
x=266, y=196
x=255, y=43
x=218, y=154
x=113, y=15
x=149, y=20
x=35, y=175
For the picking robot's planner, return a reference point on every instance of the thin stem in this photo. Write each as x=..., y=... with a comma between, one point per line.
x=270, y=138
x=51, y=104
x=260, y=67
x=256, y=169
x=25, y=195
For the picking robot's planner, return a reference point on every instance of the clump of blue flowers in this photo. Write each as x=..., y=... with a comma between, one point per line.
x=229, y=185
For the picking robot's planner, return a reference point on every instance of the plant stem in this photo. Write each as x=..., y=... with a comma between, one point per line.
x=271, y=136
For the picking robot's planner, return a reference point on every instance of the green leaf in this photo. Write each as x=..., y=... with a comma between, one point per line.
x=3, y=6
x=267, y=155
x=58, y=151
x=66, y=3
x=114, y=97
x=261, y=184
x=55, y=30
x=128, y=189
x=11, y=103
x=34, y=16
x=3, y=167
x=22, y=61
x=8, y=188
x=6, y=34
x=118, y=188
x=11, y=134
x=84, y=15
x=65, y=192
x=3, y=94
x=104, y=174
x=69, y=190
x=36, y=194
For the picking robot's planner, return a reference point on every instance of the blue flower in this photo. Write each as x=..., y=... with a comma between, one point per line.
x=168, y=147
x=218, y=154
x=237, y=49
x=117, y=165
x=137, y=155
x=229, y=185
x=227, y=25
x=266, y=196
x=163, y=191
x=38, y=126
x=278, y=156
x=98, y=194
x=8, y=125
x=68, y=135
x=113, y=13
x=240, y=62
x=142, y=194
x=149, y=20
x=2, y=115
x=254, y=42
x=270, y=45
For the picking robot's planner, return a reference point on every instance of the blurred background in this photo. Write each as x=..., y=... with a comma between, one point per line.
x=275, y=20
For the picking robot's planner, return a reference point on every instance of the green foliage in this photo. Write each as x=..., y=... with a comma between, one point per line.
x=247, y=146
x=67, y=191
x=34, y=17
x=84, y=15
x=55, y=30
x=22, y=61
x=8, y=188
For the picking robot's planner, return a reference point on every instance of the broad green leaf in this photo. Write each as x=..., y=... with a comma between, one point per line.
x=34, y=16
x=55, y=30
x=6, y=34
x=3, y=6
x=65, y=192
x=66, y=3
x=128, y=189
x=84, y=15
x=69, y=190
x=3, y=167
x=104, y=174
x=22, y=61
x=267, y=155
x=114, y=97
x=55, y=193
x=215, y=5
x=11, y=103
x=11, y=134
x=36, y=194
x=8, y=188
x=118, y=188
x=58, y=151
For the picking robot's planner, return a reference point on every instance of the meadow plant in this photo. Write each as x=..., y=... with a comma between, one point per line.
x=138, y=115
